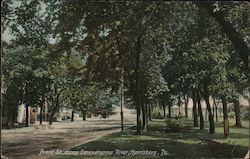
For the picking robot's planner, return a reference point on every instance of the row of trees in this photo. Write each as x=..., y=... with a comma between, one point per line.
x=32, y=78
x=145, y=50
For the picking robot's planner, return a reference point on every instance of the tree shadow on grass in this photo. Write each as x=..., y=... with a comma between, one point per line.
x=175, y=149
x=194, y=133
x=179, y=145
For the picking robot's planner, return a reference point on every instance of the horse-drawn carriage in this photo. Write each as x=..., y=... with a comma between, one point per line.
x=103, y=112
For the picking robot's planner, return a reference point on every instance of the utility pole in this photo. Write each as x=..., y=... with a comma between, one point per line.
x=122, y=97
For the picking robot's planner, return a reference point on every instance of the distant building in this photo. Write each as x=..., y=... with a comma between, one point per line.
x=21, y=114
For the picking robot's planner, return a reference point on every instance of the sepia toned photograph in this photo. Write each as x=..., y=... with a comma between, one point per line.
x=96, y=79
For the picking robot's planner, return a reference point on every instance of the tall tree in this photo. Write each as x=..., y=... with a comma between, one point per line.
x=200, y=110
x=215, y=9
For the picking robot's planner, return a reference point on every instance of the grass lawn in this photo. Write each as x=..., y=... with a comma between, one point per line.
x=177, y=145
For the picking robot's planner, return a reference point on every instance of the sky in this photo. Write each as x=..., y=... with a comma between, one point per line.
x=7, y=35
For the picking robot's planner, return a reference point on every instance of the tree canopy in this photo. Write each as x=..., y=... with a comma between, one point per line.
x=75, y=52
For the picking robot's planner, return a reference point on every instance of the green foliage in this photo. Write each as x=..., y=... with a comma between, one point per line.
x=26, y=75
x=79, y=49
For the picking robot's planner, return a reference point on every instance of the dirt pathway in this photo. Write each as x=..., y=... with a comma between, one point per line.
x=26, y=143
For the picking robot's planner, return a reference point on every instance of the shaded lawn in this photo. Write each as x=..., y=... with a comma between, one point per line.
x=178, y=145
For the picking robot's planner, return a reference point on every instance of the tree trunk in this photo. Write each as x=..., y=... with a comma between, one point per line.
x=228, y=28
x=220, y=110
x=41, y=114
x=200, y=110
x=179, y=113
x=225, y=118
x=72, y=115
x=216, y=110
x=2, y=81
x=55, y=106
x=15, y=113
x=138, y=115
x=27, y=116
x=237, y=113
x=149, y=112
x=169, y=111
x=83, y=115
x=213, y=109
x=122, y=98
x=195, y=116
x=143, y=113
x=186, y=106
x=210, y=115
x=164, y=109
x=52, y=115
x=53, y=111
x=179, y=104
x=172, y=110
x=147, y=116
x=46, y=110
x=137, y=90
x=206, y=112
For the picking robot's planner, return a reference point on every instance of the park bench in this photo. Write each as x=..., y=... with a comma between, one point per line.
x=16, y=125
x=40, y=126
x=43, y=127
